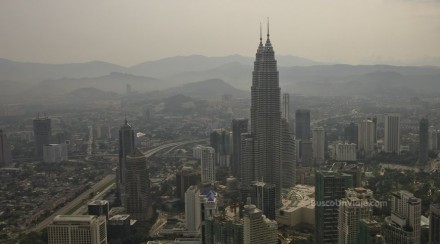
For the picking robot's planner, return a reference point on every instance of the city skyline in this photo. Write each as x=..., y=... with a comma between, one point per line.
x=401, y=32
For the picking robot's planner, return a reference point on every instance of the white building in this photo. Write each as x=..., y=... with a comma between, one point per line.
x=54, y=153
x=318, y=144
x=197, y=152
x=257, y=229
x=366, y=136
x=357, y=204
x=345, y=152
x=208, y=164
x=432, y=138
x=403, y=226
x=392, y=133
x=193, y=212
x=73, y=229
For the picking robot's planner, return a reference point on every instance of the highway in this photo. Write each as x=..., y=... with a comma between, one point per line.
x=106, y=180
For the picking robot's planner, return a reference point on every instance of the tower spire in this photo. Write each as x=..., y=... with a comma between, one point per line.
x=268, y=28
x=261, y=35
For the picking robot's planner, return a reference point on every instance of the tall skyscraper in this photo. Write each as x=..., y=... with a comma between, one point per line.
x=208, y=165
x=221, y=141
x=344, y=152
x=366, y=135
x=208, y=201
x=257, y=229
x=423, y=141
x=302, y=124
x=403, y=226
x=330, y=188
x=137, y=186
x=288, y=156
x=42, y=134
x=318, y=145
x=263, y=195
x=239, y=126
x=5, y=150
x=432, y=141
x=185, y=178
x=357, y=205
x=392, y=133
x=193, y=210
x=73, y=229
x=266, y=117
x=351, y=133
x=126, y=146
x=434, y=224
x=285, y=108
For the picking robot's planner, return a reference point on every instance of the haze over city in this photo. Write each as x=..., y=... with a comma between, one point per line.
x=206, y=122
x=397, y=32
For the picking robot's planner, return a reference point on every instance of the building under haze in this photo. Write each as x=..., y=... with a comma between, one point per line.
x=137, y=186
x=207, y=163
x=5, y=150
x=392, y=133
x=42, y=134
x=239, y=126
x=366, y=137
x=266, y=117
x=302, y=124
x=318, y=145
x=54, y=153
x=423, y=140
x=288, y=155
x=193, y=209
x=221, y=141
x=126, y=146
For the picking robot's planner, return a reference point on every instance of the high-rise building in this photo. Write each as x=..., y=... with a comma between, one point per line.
x=263, y=195
x=193, y=210
x=306, y=152
x=357, y=204
x=221, y=141
x=208, y=165
x=208, y=201
x=266, y=117
x=137, y=186
x=369, y=232
x=120, y=226
x=224, y=229
x=257, y=229
x=98, y=208
x=247, y=159
x=351, y=133
x=330, y=188
x=392, y=133
x=5, y=150
x=345, y=152
x=73, y=229
x=318, y=145
x=403, y=226
x=239, y=126
x=434, y=224
x=432, y=141
x=423, y=140
x=374, y=119
x=42, y=135
x=185, y=178
x=54, y=153
x=288, y=156
x=366, y=135
x=126, y=146
x=302, y=124
x=285, y=108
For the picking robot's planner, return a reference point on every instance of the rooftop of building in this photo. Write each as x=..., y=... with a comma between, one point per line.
x=300, y=196
x=98, y=202
x=73, y=219
x=120, y=217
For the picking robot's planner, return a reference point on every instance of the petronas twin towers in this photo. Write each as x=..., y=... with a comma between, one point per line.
x=266, y=118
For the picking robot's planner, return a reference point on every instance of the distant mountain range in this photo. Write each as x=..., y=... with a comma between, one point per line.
x=215, y=76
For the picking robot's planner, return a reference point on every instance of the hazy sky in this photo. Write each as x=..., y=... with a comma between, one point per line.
x=128, y=32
